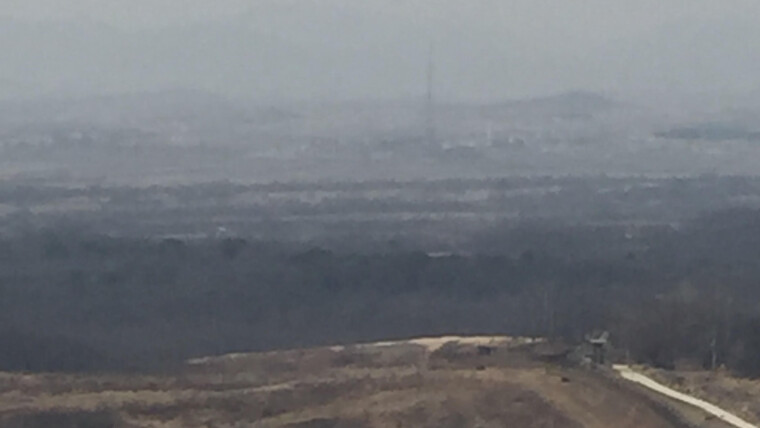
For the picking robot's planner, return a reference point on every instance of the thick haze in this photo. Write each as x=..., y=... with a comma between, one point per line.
x=345, y=49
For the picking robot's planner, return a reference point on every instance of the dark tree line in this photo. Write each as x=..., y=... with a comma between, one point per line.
x=70, y=300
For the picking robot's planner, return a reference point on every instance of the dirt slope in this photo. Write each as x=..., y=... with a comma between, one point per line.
x=484, y=382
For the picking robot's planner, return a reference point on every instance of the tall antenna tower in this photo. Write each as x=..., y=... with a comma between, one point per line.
x=430, y=132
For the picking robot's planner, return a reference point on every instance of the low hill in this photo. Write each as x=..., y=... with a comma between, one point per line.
x=437, y=382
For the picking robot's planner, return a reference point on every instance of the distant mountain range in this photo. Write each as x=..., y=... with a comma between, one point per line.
x=572, y=103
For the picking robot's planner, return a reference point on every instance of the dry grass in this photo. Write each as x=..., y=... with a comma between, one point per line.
x=422, y=383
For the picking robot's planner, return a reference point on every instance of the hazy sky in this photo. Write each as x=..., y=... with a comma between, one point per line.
x=123, y=12
x=625, y=12
x=368, y=48
x=586, y=16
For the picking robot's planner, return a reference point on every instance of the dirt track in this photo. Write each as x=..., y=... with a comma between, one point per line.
x=629, y=374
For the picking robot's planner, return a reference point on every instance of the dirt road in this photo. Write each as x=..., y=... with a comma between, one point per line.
x=628, y=373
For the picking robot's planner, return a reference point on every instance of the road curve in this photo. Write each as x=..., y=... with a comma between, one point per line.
x=626, y=372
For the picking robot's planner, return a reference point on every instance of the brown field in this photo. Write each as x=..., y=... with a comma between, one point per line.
x=425, y=383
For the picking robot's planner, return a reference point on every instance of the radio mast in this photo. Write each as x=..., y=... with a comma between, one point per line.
x=430, y=132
